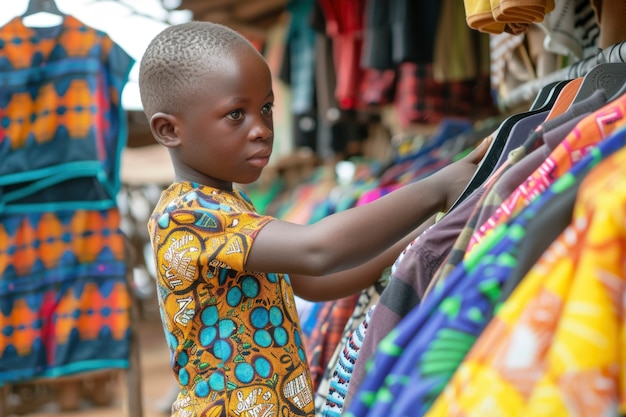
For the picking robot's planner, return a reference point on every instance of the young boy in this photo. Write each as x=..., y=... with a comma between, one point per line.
x=225, y=297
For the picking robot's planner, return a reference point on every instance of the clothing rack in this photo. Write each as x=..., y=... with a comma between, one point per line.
x=526, y=92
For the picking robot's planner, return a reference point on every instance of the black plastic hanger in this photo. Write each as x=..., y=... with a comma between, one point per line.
x=39, y=6
x=498, y=144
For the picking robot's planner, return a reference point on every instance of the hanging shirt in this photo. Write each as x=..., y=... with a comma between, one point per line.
x=535, y=140
x=61, y=117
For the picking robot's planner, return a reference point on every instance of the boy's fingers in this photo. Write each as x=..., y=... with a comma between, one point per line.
x=477, y=154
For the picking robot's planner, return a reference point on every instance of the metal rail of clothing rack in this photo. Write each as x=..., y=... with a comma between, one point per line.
x=526, y=92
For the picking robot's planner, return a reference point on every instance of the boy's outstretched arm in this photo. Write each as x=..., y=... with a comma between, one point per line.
x=355, y=236
x=344, y=283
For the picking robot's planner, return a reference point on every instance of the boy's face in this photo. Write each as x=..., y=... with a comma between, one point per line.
x=227, y=129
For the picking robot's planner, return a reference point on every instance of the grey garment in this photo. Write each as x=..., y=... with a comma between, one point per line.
x=409, y=282
x=588, y=105
x=520, y=133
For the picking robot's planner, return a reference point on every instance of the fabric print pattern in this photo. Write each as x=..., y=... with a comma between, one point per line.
x=569, y=310
x=586, y=135
x=234, y=334
x=452, y=317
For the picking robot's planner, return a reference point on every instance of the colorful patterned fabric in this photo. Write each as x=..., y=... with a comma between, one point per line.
x=423, y=100
x=587, y=133
x=64, y=298
x=538, y=138
x=327, y=334
x=342, y=372
x=234, y=334
x=330, y=386
x=566, y=315
x=451, y=318
x=61, y=121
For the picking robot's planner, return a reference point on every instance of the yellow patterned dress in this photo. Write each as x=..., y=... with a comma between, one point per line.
x=234, y=335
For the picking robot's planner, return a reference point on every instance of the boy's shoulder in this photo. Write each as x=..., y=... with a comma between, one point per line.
x=188, y=195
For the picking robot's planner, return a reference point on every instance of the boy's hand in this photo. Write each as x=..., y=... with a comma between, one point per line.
x=455, y=177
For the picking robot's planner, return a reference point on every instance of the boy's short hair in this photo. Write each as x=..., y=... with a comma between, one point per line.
x=177, y=60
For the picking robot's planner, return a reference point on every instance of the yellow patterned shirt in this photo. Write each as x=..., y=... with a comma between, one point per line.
x=234, y=335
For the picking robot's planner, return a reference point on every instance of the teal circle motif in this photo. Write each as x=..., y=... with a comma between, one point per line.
x=209, y=316
x=182, y=358
x=276, y=316
x=202, y=389
x=227, y=328
x=262, y=338
x=259, y=317
x=250, y=286
x=207, y=336
x=234, y=296
x=280, y=336
x=183, y=376
x=263, y=367
x=222, y=350
x=217, y=381
x=244, y=372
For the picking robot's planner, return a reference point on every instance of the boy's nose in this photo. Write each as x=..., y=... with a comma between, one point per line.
x=261, y=131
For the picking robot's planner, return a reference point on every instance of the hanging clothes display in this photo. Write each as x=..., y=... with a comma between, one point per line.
x=414, y=362
x=565, y=312
x=64, y=297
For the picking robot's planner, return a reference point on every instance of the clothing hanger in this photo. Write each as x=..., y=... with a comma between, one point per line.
x=38, y=6
x=42, y=14
x=500, y=141
x=608, y=76
x=565, y=98
x=543, y=96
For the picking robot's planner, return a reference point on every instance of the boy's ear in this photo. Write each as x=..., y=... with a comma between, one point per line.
x=164, y=128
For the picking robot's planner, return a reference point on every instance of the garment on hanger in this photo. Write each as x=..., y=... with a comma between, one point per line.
x=499, y=192
x=41, y=6
x=499, y=16
x=408, y=284
x=502, y=140
x=585, y=135
x=341, y=373
x=64, y=299
x=323, y=340
x=602, y=77
x=65, y=123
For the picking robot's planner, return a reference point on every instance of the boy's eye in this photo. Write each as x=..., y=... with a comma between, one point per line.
x=267, y=109
x=235, y=115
